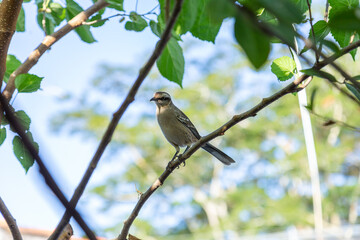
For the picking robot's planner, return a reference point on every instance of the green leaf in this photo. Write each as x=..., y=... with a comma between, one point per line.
x=283, y=67
x=310, y=106
x=94, y=18
x=353, y=90
x=341, y=5
x=187, y=16
x=21, y=152
x=24, y=119
x=357, y=77
x=2, y=135
x=155, y=28
x=57, y=12
x=331, y=45
x=171, y=62
x=116, y=4
x=253, y=41
x=12, y=63
x=26, y=83
x=348, y=20
x=321, y=30
x=302, y=5
x=49, y=22
x=319, y=73
x=286, y=11
x=136, y=24
x=20, y=24
x=72, y=9
x=206, y=26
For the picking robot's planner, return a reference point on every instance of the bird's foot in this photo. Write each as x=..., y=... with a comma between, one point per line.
x=181, y=161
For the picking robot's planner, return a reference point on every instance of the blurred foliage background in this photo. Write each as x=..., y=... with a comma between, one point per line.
x=267, y=190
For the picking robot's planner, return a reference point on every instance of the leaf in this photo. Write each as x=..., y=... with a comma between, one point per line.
x=283, y=67
x=26, y=83
x=136, y=24
x=302, y=5
x=49, y=22
x=340, y=5
x=20, y=24
x=187, y=16
x=116, y=4
x=285, y=11
x=2, y=135
x=171, y=62
x=155, y=28
x=72, y=9
x=321, y=30
x=205, y=27
x=24, y=119
x=348, y=20
x=21, y=152
x=310, y=106
x=353, y=90
x=12, y=63
x=57, y=12
x=255, y=43
x=331, y=45
x=319, y=73
x=357, y=77
x=94, y=18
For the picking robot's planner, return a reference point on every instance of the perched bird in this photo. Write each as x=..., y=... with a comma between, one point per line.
x=179, y=130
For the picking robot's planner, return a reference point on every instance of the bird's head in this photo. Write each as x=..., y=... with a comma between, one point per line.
x=161, y=99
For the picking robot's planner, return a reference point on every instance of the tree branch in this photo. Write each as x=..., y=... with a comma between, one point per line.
x=9, y=12
x=312, y=29
x=118, y=114
x=291, y=88
x=10, y=220
x=330, y=121
x=48, y=42
x=49, y=180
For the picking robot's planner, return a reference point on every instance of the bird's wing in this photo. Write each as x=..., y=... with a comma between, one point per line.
x=186, y=121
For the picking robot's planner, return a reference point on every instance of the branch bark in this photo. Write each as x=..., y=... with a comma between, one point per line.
x=49, y=180
x=117, y=116
x=10, y=220
x=291, y=88
x=9, y=12
x=48, y=42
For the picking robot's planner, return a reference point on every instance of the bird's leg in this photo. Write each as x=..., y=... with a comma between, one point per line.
x=175, y=155
x=187, y=148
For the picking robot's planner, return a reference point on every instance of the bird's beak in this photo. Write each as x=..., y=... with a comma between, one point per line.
x=152, y=99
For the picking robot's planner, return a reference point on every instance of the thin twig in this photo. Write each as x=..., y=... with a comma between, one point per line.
x=49, y=180
x=312, y=29
x=48, y=42
x=326, y=14
x=330, y=121
x=346, y=93
x=10, y=220
x=118, y=114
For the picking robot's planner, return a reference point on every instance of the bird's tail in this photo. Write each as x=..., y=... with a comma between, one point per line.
x=225, y=159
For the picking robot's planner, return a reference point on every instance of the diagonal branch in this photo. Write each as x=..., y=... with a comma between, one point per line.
x=49, y=180
x=48, y=42
x=291, y=88
x=9, y=12
x=10, y=220
x=118, y=114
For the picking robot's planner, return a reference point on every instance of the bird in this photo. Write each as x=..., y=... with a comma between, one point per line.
x=179, y=130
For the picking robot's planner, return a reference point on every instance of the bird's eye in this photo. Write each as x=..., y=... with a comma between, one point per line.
x=163, y=98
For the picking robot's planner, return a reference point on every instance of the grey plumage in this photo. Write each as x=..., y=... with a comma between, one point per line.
x=179, y=130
